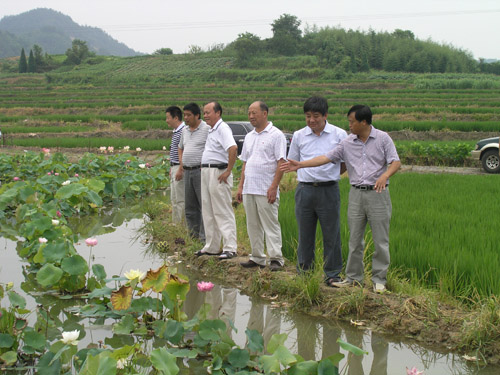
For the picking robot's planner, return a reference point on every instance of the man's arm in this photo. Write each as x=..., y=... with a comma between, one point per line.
x=272, y=192
x=293, y=165
x=382, y=180
x=239, y=194
x=180, y=170
x=232, y=151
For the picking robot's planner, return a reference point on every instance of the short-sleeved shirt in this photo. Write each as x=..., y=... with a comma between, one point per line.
x=261, y=153
x=307, y=145
x=174, y=144
x=365, y=161
x=220, y=139
x=192, y=144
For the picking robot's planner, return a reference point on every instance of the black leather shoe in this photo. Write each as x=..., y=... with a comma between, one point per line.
x=275, y=266
x=250, y=264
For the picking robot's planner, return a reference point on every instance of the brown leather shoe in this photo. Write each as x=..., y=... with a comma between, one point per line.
x=250, y=264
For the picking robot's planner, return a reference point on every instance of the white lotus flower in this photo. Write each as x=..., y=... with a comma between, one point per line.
x=42, y=240
x=138, y=149
x=126, y=148
x=164, y=148
x=55, y=222
x=71, y=337
x=67, y=182
x=142, y=166
x=134, y=274
x=121, y=363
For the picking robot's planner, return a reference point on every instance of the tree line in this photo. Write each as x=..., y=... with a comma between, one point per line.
x=352, y=50
x=37, y=62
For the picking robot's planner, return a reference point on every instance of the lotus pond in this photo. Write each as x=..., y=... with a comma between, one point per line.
x=119, y=250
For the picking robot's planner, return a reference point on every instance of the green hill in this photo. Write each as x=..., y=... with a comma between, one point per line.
x=53, y=31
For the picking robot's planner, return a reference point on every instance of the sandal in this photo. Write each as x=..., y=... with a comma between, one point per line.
x=227, y=255
x=331, y=281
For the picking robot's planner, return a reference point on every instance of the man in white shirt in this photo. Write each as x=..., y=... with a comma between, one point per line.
x=317, y=196
x=217, y=163
x=263, y=151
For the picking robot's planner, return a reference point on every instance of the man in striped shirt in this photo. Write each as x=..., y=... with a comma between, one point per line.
x=173, y=116
x=191, y=147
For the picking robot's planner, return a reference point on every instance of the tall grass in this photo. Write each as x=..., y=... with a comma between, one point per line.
x=443, y=231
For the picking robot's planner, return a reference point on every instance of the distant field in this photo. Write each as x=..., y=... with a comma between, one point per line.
x=130, y=94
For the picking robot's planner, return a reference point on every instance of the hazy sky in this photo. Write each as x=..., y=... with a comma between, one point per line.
x=147, y=25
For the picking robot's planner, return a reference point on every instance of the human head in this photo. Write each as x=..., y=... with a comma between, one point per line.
x=360, y=119
x=316, y=111
x=192, y=114
x=361, y=112
x=173, y=116
x=257, y=114
x=212, y=112
x=316, y=104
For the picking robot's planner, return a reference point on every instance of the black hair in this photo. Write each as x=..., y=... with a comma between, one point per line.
x=263, y=106
x=174, y=112
x=193, y=108
x=361, y=112
x=217, y=107
x=316, y=104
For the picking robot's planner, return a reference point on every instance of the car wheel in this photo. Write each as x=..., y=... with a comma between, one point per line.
x=491, y=161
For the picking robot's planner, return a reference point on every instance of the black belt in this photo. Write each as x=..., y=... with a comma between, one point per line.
x=218, y=166
x=190, y=168
x=365, y=187
x=321, y=183
x=172, y=163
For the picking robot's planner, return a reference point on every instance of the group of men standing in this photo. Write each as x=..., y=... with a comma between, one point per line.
x=203, y=154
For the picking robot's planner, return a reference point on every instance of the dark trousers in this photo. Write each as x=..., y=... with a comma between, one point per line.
x=192, y=199
x=313, y=203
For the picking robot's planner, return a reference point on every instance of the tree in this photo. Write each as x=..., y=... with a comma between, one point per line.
x=23, y=65
x=31, y=63
x=286, y=35
x=39, y=61
x=247, y=45
x=163, y=51
x=78, y=52
x=194, y=49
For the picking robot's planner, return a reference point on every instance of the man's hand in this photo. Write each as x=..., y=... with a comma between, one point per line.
x=179, y=174
x=381, y=183
x=239, y=194
x=290, y=166
x=272, y=193
x=223, y=177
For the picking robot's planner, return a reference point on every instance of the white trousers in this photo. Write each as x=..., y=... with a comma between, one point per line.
x=176, y=196
x=263, y=224
x=217, y=212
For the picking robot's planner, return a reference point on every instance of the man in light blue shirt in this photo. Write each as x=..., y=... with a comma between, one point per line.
x=317, y=196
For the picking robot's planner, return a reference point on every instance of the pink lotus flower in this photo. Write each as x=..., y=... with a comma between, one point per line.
x=16, y=178
x=205, y=286
x=42, y=240
x=58, y=213
x=413, y=371
x=148, y=165
x=91, y=241
x=76, y=175
x=56, y=174
x=46, y=150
